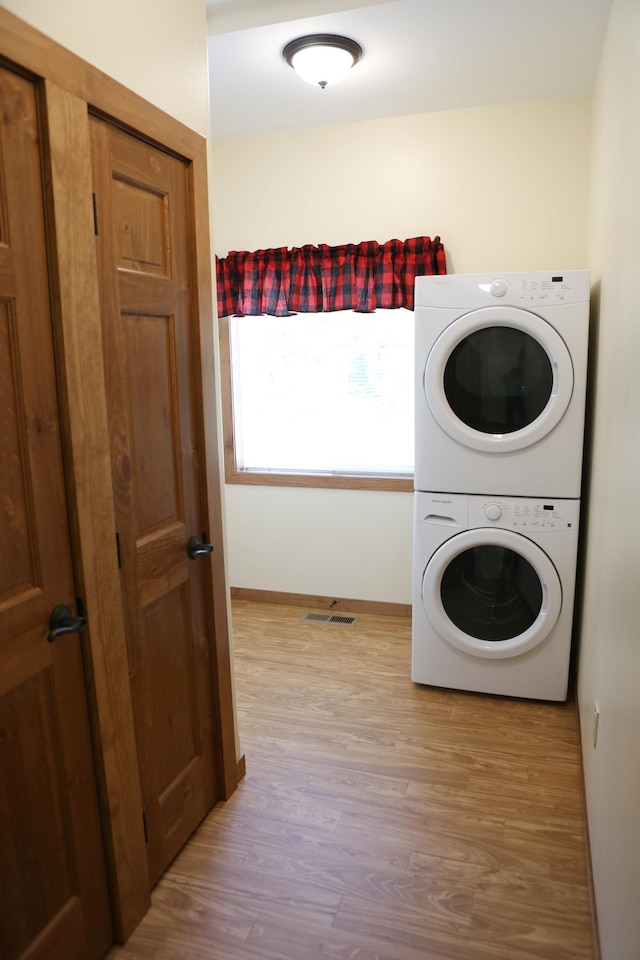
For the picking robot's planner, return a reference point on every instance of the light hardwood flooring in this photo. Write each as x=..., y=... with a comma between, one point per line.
x=378, y=820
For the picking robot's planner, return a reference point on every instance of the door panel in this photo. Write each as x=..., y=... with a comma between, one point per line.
x=150, y=352
x=17, y=567
x=53, y=889
x=28, y=722
x=144, y=266
x=141, y=213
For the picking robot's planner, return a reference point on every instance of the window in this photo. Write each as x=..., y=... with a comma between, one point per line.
x=321, y=399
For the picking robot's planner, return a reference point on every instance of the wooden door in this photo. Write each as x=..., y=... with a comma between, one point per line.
x=144, y=267
x=53, y=890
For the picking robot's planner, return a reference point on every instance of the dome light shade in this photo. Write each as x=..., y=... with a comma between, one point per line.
x=322, y=58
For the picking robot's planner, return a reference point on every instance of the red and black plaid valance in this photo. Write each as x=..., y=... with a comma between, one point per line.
x=310, y=279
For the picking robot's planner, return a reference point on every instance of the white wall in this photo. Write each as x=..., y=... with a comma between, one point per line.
x=158, y=48
x=506, y=187
x=610, y=646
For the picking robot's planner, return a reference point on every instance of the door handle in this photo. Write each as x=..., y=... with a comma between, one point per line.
x=63, y=621
x=195, y=548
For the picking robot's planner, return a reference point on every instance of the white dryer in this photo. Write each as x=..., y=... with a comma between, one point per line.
x=493, y=594
x=501, y=369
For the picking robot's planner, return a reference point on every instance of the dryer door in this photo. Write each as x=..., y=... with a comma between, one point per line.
x=498, y=379
x=491, y=593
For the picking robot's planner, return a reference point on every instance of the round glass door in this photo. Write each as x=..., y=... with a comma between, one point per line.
x=492, y=593
x=498, y=379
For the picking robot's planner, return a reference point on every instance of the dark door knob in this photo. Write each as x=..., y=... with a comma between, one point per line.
x=195, y=548
x=63, y=621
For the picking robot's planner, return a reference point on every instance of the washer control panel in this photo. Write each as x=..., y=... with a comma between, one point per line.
x=524, y=515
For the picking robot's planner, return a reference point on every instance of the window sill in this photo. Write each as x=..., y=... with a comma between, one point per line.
x=321, y=480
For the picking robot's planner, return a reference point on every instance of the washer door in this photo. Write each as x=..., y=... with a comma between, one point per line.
x=491, y=593
x=498, y=379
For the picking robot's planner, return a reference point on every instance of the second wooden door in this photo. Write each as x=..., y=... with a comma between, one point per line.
x=143, y=243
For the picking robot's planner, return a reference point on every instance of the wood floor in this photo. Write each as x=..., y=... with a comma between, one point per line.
x=378, y=820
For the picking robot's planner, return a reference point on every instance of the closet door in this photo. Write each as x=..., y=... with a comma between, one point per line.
x=53, y=890
x=144, y=266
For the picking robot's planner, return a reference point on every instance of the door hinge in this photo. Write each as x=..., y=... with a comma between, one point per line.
x=118, y=550
x=95, y=214
x=144, y=824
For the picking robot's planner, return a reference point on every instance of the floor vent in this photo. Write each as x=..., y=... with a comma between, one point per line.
x=329, y=618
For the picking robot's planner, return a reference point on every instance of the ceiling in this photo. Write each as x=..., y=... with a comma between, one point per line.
x=419, y=56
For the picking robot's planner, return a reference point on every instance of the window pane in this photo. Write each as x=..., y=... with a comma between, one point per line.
x=324, y=392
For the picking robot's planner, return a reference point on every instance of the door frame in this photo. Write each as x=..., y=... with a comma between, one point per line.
x=69, y=89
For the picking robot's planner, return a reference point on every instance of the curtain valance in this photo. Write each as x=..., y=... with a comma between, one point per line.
x=313, y=279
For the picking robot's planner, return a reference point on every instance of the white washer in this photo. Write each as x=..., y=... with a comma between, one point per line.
x=493, y=593
x=501, y=370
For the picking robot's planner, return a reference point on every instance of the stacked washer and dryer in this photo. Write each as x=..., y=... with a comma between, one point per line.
x=501, y=370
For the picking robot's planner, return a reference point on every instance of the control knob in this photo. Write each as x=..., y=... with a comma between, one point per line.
x=493, y=511
x=498, y=288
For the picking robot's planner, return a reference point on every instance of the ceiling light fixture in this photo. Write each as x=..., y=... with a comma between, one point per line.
x=322, y=58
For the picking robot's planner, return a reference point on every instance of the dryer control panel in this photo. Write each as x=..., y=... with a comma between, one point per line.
x=473, y=290
x=523, y=515
x=555, y=288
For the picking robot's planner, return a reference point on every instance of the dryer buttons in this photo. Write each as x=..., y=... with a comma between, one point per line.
x=493, y=511
x=498, y=288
